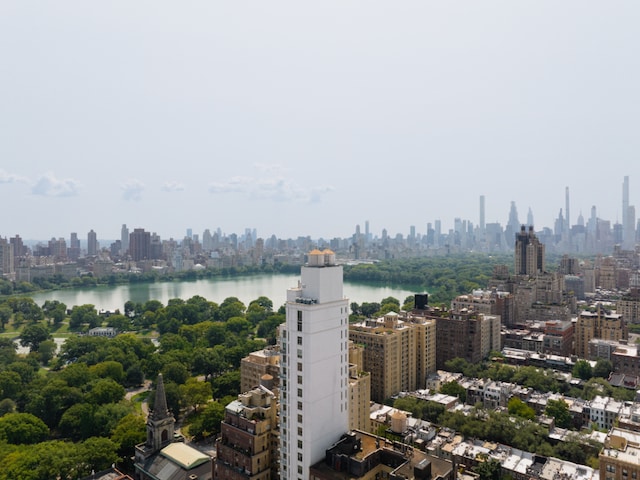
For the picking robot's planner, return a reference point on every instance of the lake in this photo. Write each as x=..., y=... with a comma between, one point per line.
x=245, y=288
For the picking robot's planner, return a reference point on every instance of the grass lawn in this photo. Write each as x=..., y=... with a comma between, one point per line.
x=138, y=399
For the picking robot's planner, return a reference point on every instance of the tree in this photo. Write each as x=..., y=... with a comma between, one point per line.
x=230, y=307
x=134, y=376
x=195, y=392
x=108, y=369
x=519, y=408
x=77, y=421
x=572, y=451
x=44, y=461
x=267, y=328
x=129, y=432
x=559, y=410
x=151, y=306
x=129, y=309
x=207, y=423
x=603, y=368
x=26, y=307
x=264, y=302
x=175, y=372
x=7, y=351
x=121, y=323
x=582, y=369
x=453, y=388
x=369, y=309
x=21, y=428
x=77, y=375
x=105, y=390
x=457, y=365
x=32, y=335
x=106, y=417
x=84, y=314
x=54, y=310
x=226, y=384
x=5, y=315
x=409, y=303
x=46, y=351
x=488, y=470
x=7, y=406
x=10, y=384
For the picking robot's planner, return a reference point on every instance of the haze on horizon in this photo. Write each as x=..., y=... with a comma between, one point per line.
x=307, y=119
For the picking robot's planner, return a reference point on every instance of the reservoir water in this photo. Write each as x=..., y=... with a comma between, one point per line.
x=245, y=288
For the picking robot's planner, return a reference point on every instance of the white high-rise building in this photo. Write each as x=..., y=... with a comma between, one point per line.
x=124, y=239
x=314, y=366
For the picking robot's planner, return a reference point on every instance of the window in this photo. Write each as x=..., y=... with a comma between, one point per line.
x=299, y=321
x=300, y=431
x=299, y=353
x=299, y=379
x=299, y=366
x=300, y=469
x=299, y=418
x=299, y=443
x=299, y=340
x=299, y=405
x=300, y=392
x=299, y=457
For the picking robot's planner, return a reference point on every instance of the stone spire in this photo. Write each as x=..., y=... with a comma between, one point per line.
x=160, y=410
x=160, y=422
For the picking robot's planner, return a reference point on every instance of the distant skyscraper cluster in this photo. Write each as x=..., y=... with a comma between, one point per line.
x=141, y=250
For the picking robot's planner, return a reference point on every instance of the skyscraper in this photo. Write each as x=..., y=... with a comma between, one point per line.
x=482, y=223
x=92, y=243
x=124, y=239
x=625, y=200
x=513, y=225
x=314, y=366
x=529, y=254
x=567, y=220
x=628, y=218
x=139, y=244
x=74, y=247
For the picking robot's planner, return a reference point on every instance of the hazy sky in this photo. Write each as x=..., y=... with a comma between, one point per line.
x=307, y=118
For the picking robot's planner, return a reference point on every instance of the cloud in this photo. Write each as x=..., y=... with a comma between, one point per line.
x=132, y=190
x=50, y=186
x=272, y=168
x=173, y=187
x=234, y=184
x=275, y=188
x=6, y=177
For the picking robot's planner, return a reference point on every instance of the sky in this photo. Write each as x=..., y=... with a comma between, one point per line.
x=309, y=118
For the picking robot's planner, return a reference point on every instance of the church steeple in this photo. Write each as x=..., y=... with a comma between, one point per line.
x=160, y=424
x=160, y=410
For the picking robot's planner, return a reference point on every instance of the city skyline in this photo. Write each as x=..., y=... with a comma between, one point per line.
x=364, y=228
x=171, y=117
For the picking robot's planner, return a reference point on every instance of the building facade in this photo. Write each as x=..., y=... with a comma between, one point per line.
x=314, y=366
x=599, y=324
x=619, y=457
x=248, y=443
x=529, y=253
